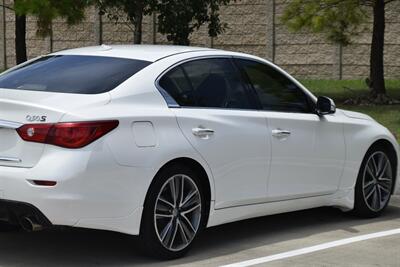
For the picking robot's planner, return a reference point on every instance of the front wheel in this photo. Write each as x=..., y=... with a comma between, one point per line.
x=374, y=184
x=174, y=213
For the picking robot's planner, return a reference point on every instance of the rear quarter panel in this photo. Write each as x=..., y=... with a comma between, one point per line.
x=142, y=111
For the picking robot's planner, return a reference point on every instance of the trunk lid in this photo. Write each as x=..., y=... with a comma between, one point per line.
x=18, y=107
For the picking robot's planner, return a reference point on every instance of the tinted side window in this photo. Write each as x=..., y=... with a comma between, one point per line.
x=72, y=74
x=176, y=84
x=211, y=83
x=275, y=91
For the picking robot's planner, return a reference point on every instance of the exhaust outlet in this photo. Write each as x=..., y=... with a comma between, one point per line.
x=30, y=224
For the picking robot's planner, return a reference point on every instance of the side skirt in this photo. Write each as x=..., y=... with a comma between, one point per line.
x=343, y=199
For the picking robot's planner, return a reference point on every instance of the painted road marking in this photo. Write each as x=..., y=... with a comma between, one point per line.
x=308, y=250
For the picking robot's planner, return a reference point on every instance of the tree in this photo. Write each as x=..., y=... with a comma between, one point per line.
x=20, y=38
x=20, y=35
x=178, y=19
x=132, y=10
x=45, y=11
x=339, y=20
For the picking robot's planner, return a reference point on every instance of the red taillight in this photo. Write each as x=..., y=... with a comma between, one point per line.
x=66, y=134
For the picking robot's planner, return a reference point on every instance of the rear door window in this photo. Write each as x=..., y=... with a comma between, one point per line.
x=72, y=74
x=207, y=83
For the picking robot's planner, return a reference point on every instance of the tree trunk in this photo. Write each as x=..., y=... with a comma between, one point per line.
x=20, y=39
x=182, y=39
x=377, y=76
x=137, y=34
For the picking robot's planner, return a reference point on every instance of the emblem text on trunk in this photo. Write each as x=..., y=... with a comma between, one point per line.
x=32, y=118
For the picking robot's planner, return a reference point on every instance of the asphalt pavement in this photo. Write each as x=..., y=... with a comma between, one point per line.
x=237, y=243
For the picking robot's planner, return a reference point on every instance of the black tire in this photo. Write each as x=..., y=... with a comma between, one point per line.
x=363, y=207
x=148, y=234
x=8, y=227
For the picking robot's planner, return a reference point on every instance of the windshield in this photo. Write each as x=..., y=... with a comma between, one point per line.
x=72, y=74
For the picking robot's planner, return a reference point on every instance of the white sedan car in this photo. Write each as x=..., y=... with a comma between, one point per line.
x=164, y=141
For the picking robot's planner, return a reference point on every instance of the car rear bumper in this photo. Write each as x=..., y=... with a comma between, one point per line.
x=14, y=212
x=92, y=190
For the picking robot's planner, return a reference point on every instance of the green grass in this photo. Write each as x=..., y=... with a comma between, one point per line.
x=389, y=115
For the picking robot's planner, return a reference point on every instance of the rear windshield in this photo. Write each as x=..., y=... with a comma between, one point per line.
x=72, y=74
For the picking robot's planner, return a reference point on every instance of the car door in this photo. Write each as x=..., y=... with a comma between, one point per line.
x=218, y=117
x=308, y=151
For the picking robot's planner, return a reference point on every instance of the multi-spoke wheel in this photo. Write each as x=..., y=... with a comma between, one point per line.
x=174, y=212
x=375, y=183
x=178, y=212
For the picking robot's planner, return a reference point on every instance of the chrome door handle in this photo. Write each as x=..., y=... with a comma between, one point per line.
x=202, y=132
x=280, y=133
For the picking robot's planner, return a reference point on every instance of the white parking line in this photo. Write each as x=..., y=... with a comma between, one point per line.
x=307, y=250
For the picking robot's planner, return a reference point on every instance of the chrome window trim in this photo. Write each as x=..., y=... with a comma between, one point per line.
x=171, y=103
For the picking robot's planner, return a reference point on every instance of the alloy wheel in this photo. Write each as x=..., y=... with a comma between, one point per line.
x=177, y=212
x=377, y=181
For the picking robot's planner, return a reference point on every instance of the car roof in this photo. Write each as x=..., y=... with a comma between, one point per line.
x=150, y=53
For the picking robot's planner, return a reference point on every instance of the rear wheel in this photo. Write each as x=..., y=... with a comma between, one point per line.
x=174, y=213
x=375, y=183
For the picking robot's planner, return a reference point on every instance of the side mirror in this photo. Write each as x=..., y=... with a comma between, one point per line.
x=325, y=106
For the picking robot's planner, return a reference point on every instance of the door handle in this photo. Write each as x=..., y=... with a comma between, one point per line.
x=202, y=132
x=280, y=133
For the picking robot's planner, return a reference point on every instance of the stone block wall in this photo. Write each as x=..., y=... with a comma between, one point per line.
x=253, y=27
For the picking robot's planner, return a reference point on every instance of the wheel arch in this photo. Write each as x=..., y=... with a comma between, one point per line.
x=392, y=153
x=205, y=178
x=360, y=136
